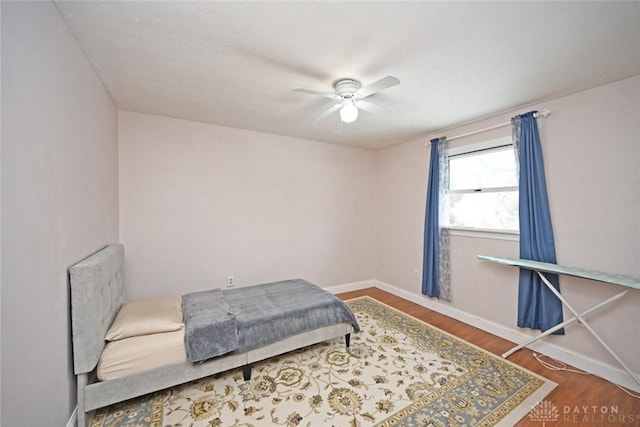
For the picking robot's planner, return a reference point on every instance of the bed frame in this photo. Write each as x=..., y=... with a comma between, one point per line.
x=97, y=292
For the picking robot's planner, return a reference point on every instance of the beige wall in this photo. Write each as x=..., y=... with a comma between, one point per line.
x=199, y=202
x=59, y=204
x=591, y=151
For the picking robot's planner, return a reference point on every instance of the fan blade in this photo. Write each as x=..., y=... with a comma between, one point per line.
x=377, y=86
x=327, y=113
x=315, y=92
x=367, y=106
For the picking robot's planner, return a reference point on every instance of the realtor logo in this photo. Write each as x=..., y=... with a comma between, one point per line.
x=544, y=411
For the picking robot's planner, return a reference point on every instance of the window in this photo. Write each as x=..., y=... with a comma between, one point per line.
x=483, y=187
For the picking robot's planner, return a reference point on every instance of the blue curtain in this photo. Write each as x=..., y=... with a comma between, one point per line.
x=435, y=265
x=538, y=307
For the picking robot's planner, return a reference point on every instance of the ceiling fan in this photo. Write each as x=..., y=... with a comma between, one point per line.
x=349, y=94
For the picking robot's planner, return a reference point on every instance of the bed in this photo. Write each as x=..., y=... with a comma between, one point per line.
x=97, y=296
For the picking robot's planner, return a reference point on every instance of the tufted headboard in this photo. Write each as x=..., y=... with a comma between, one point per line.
x=97, y=292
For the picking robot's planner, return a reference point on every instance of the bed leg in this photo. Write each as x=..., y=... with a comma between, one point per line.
x=246, y=372
x=347, y=339
x=82, y=380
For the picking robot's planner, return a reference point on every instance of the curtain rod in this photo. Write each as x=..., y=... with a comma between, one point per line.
x=543, y=114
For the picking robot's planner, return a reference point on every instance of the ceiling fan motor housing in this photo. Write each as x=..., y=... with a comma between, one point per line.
x=346, y=88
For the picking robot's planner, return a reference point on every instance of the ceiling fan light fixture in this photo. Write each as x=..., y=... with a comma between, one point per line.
x=348, y=112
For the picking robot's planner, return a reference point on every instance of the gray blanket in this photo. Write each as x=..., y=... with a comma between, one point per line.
x=262, y=314
x=207, y=316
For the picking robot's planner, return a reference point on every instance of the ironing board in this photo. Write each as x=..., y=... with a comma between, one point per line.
x=628, y=282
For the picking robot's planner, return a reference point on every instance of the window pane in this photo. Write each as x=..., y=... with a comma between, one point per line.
x=497, y=210
x=489, y=169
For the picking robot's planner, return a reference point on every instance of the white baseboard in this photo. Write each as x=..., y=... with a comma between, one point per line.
x=580, y=361
x=348, y=287
x=73, y=421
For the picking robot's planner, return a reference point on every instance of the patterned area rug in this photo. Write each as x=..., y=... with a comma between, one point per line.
x=399, y=371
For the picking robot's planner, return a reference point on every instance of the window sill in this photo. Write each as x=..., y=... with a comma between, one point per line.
x=485, y=233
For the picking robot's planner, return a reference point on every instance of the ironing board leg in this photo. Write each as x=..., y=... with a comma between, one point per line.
x=577, y=316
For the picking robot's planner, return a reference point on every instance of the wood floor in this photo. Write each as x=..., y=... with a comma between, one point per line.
x=581, y=400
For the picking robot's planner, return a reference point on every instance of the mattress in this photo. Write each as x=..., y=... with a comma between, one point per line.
x=141, y=353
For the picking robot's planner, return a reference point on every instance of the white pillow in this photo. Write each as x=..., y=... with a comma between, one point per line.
x=146, y=316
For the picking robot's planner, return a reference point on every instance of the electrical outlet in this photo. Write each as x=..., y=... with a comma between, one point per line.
x=231, y=281
x=416, y=274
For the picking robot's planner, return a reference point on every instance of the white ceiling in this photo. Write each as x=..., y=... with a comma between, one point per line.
x=234, y=63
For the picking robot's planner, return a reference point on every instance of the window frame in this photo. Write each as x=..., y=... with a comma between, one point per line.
x=470, y=149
